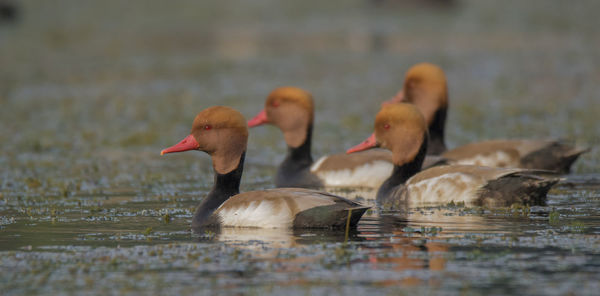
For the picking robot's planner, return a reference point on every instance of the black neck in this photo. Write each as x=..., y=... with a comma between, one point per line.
x=300, y=156
x=298, y=159
x=225, y=186
x=437, y=145
x=402, y=173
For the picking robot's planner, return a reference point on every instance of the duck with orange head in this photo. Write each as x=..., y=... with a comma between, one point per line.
x=222, y=133
x=291, y=109
x=402, y=129
x=425, y=86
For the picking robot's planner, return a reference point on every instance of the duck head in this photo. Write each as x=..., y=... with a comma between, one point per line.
x=400, y=128
x=291, y=109
x=219, y=131
x=425, y=86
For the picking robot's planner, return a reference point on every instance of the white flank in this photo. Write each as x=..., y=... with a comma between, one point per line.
x=457, y=187
x=372, y=174
x=498, y=159
x=257, y=214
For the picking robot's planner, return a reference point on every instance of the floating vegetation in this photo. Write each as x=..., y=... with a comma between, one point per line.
x=147, y=231
x=166, y=218
x=553, y=217
x=576, y=227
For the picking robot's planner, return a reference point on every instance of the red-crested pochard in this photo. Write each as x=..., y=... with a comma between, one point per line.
x=402, y=129
x=222, y=133
x=425, y=86
x=291, y=109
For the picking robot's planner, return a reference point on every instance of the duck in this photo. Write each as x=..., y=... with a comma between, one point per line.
x=425, y=86
x=222, y=133
x=402, y=129
x=291, y=109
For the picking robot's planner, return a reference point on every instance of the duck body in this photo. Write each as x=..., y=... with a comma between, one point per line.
x=291, y=110
x=402, y=129
x=369, y=168
x=472, y=185
x=288, y=208
x=272, y=208
x=553, y=155
x=366, y=169
x=222, y=133
x=425, y=86
x=363, y=169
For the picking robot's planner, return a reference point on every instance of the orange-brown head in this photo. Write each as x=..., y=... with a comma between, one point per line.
x=219, y=131
x=400, y=128
x=425, y=86
x=289, y=108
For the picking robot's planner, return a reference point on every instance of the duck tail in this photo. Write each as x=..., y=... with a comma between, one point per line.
x=528, y=187
x=569, y=157
x=558, y=156
x=354, y=214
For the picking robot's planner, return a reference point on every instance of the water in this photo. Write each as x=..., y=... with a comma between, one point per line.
x=126, y=244
x=90, y=93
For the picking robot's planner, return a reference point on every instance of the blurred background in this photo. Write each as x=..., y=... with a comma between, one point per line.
x=91, y=91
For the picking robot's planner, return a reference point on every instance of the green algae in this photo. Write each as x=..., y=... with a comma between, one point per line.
x=553, y=217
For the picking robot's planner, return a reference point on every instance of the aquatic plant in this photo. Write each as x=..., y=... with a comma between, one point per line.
x=553, y=217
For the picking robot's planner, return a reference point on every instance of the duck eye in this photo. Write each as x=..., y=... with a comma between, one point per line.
x=386, y=126
x=207, y=127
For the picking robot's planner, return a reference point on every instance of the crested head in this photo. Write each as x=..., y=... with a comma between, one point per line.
x=425, y=86
x=401, y=128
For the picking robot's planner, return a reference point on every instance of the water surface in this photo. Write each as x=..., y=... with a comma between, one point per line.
x=91, y=92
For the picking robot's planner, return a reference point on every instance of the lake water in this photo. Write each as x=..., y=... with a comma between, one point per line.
x=90, y=92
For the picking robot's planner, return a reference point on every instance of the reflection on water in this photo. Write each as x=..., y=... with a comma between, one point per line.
x=413, y=237
x=275, y=238
x=256, y=238
x=382, y=236
x=372, y=227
